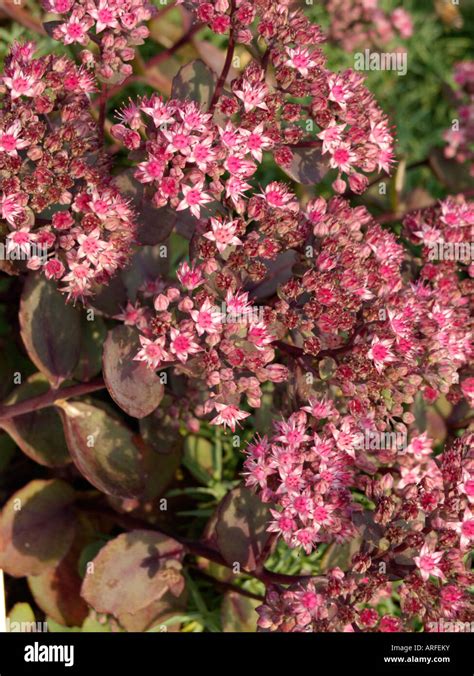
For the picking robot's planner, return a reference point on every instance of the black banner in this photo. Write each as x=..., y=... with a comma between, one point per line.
x=76, y=653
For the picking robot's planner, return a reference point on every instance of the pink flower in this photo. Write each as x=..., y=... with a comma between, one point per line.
x=19, y=241
x=11, y=207
x=380, y=353
x=152, y=352
x=428, y=562
x=467, y=387
x=255, y=141
x=465, y=528
x=300, y=59
x=277, y=194
x=11, y=141
x=105, y=16
x=193, y=198
x=207, y=318
x=223, y=234
x=182, y=344
x=190, y=276
x=229, y=416
x=252, y=96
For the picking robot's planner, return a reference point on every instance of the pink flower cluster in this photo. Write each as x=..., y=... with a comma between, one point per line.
x=115, y=26
x=460, y=138
x=363, y=23
x=62, y=210
x=420, y=532
x=217, y=339
x=187, y=153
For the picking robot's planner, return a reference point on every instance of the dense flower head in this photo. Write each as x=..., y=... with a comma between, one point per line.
x=185, y=149
x=419, y=532
x=218, y=338
x=115, y=26
x=363, y=23
x=57, y=200
x=460, y=138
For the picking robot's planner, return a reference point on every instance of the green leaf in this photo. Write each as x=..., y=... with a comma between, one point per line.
x=39, y=434
x=21, y=612
x=238, y=613
x=199, y=458
x=37, y=526
x=131, y=384
x=50, y=329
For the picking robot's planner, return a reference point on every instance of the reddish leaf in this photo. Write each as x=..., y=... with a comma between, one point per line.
x=195, y=82
x=37, y=527
x=39, y=434
x=105, y=451
x=308, y=166
x=149, y=562
x=131, y=384
x=50, y=329
x=241, y=528
x=93, y=334
x=57, y=593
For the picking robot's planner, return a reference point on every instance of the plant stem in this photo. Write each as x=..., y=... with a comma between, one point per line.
x=228, y=62
x=102, y=109
x=165, y=54
x=22, y=16
x=49, y=399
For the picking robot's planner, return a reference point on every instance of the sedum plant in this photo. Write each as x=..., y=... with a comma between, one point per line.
x=233, y=372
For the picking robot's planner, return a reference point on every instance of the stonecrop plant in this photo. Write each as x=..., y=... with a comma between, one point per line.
x=238, y=376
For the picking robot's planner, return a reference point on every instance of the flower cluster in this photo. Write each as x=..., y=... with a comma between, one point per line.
x=219, y=339
x=460, y=138
x=114, y=26
x=62, y=211
x=362, y=23
x=406, y=336
x=341, y=120
x=420, y=532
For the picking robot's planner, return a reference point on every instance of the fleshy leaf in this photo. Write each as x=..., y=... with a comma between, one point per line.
x=131, y=384
x=194, y=82
x=132, y=571
x=107, y=453
x=39, y=434
x=241, y=533
x=37, y=527
x=50, y=329
x=93, y=334
x=154, y=225
x=307, y=166
x=57, y=592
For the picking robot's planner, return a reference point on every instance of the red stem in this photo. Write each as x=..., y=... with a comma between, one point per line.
x=49, y=399
x=228, y=62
